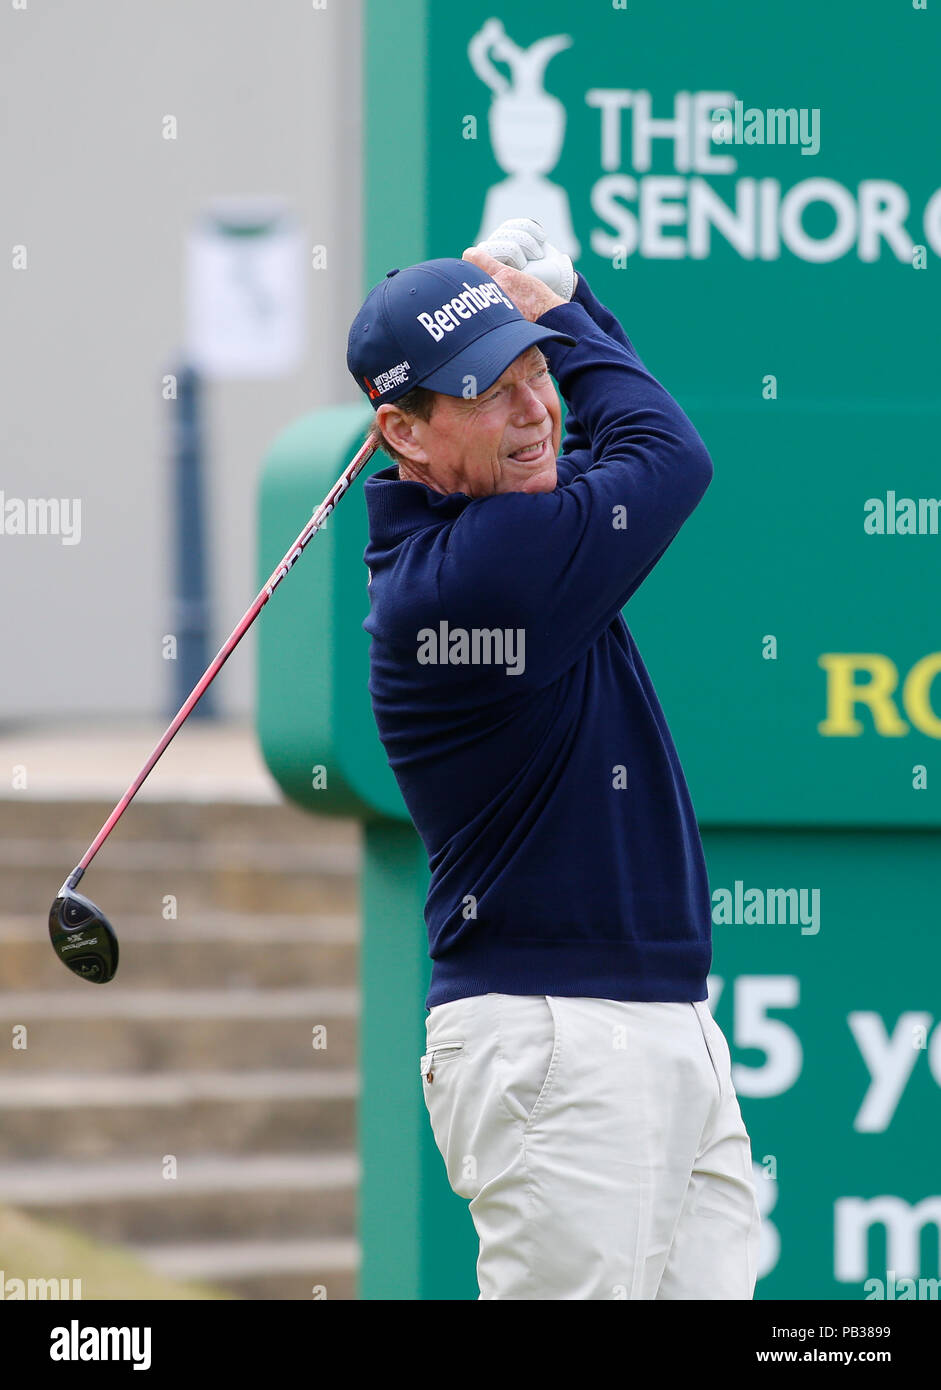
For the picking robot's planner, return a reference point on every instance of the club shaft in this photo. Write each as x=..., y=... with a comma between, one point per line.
x=318, y=517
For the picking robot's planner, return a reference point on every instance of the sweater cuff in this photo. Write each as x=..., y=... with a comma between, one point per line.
x=571, y=318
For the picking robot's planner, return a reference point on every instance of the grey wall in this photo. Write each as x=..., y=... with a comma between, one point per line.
x=267, y=98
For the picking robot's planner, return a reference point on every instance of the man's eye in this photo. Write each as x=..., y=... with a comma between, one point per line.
x=543, y=372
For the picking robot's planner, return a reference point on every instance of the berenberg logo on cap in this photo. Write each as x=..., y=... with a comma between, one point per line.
x=474, y=300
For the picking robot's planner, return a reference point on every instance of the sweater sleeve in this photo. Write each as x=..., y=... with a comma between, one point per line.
x=576, y=437
x=561, y=565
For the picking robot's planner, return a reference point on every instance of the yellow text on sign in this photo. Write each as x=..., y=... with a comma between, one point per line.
x=845, y=692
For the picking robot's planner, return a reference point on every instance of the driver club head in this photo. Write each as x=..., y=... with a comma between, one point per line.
x=82, y=937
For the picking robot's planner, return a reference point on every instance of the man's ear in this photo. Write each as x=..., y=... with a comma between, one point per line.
x=397, y=429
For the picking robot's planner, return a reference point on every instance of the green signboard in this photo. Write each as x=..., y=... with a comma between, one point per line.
x=825, y=983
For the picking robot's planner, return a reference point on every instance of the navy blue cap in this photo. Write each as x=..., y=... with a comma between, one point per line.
x=437, y=324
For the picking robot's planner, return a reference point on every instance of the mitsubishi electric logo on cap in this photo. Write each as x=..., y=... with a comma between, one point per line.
x=683, y=213
x=475, y=299
x=386, y=381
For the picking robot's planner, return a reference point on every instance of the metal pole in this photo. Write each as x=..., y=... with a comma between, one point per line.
x=190, y=601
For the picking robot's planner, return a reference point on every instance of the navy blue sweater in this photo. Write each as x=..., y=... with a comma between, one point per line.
x=563, y=848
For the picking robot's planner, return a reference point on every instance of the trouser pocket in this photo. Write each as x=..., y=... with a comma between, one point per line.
x=436, y=1056
x=450, y=1069
x=528, y=1042
x=716, y=1046
x=488, y=1073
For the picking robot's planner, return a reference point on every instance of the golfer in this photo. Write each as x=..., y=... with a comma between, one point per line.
x=578, y=1087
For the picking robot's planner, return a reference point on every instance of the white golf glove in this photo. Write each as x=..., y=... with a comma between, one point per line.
x=521, y=243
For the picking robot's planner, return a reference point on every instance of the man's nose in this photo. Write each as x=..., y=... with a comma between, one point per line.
x=527, y=403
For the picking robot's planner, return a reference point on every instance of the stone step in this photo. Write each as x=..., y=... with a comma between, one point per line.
x=218, y=822
x=18, y=853
x=228, y=950
x=77, y=1116
x=40, y=1248
x=109, y=1029
x=80, y=757
x=155, y=1044
x=232, y=884
x=202, y=1045
x=140, y=877
x=224, y=1197
x=262, y=1269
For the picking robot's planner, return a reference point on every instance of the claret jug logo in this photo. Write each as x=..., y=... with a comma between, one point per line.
x=527, y=128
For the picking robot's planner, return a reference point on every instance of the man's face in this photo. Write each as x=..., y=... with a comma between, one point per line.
x=472, y=446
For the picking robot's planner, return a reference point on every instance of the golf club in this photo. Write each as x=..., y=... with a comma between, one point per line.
x=81, y=935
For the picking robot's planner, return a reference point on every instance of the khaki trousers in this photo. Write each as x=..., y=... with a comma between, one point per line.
x=600, y=1146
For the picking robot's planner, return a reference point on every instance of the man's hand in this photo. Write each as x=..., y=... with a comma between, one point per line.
x=531, y=296
x=521, y=242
